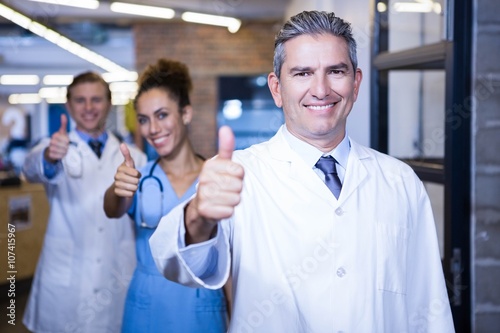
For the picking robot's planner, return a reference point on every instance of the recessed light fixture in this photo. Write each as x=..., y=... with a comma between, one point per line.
x=381, y=7
x=232, y=109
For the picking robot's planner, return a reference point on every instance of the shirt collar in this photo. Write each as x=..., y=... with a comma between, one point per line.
x=102, y=138
x=311, y=154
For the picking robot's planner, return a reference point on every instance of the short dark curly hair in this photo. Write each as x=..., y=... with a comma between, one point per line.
x=170, y=75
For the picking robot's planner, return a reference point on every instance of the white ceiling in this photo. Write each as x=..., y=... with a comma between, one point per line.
x=100, y=30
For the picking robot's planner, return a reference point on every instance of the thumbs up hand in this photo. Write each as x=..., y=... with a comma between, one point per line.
x=59, y=143
x=126, y=177
x=219, y=191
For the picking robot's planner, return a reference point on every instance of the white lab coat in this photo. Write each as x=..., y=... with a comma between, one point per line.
x=87, y=259
x=302, y=261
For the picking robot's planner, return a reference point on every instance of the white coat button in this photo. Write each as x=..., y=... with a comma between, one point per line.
x=101, y=229
x=341, y=272
x=339, y=211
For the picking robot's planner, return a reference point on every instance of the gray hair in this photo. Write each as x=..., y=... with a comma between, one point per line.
x=313, y=23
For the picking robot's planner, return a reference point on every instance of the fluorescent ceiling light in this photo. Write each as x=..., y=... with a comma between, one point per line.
x=123, y=87
x=232, y=24
x=128, y=8
x=57, y=80
x=413, y=7
x=60, y=40
x=14, y=16
x=19, y=80
x=120, y=76
x=24, y=99
x=121, y=98
x=52, y=92
x=56, y=100
x=88, y=4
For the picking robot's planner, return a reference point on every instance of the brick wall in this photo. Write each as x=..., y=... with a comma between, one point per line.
x=209, y=52
x=486, y=163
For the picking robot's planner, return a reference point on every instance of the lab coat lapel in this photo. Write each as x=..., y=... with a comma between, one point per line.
x=296, y=169
x=109, y=147
x=82, y=146
x=356, y=172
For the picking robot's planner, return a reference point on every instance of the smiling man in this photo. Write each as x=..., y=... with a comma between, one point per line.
x=87, y=259
x=319, y=233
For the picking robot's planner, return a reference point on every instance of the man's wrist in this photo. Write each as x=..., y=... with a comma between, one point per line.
x=198, y=228
x=47, y=158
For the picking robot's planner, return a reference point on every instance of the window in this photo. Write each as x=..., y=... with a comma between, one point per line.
x=246, y=105
x=420, y=87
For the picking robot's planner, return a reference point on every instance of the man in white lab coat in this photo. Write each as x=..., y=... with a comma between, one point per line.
x=304, y=258
x=87, y=259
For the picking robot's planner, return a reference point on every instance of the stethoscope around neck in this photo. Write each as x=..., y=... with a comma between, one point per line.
x=73, y=160
x=154, y=180
x=150, y=178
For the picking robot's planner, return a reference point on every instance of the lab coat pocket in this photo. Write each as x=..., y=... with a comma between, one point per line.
x=391, y=257
x=57, y=261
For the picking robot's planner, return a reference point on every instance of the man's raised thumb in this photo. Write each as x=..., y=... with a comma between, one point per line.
x=64, y=124
x=226, y=143
x=129, y=161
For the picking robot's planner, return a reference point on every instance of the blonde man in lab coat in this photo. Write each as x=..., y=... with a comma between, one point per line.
x=87, y=259
x=303, y=257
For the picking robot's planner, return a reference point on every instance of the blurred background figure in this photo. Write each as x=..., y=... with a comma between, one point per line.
x=87, y=259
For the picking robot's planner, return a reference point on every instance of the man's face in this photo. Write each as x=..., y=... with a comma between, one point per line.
x=317, y=88
x=89, y=107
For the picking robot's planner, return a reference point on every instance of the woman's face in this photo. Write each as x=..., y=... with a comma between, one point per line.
x=161, y=122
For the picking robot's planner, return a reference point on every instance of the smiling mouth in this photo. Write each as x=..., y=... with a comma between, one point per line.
x=159, y=141
x=321, y=107
x=89, y=117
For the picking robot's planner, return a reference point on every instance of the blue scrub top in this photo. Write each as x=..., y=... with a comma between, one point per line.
x=153, y=303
